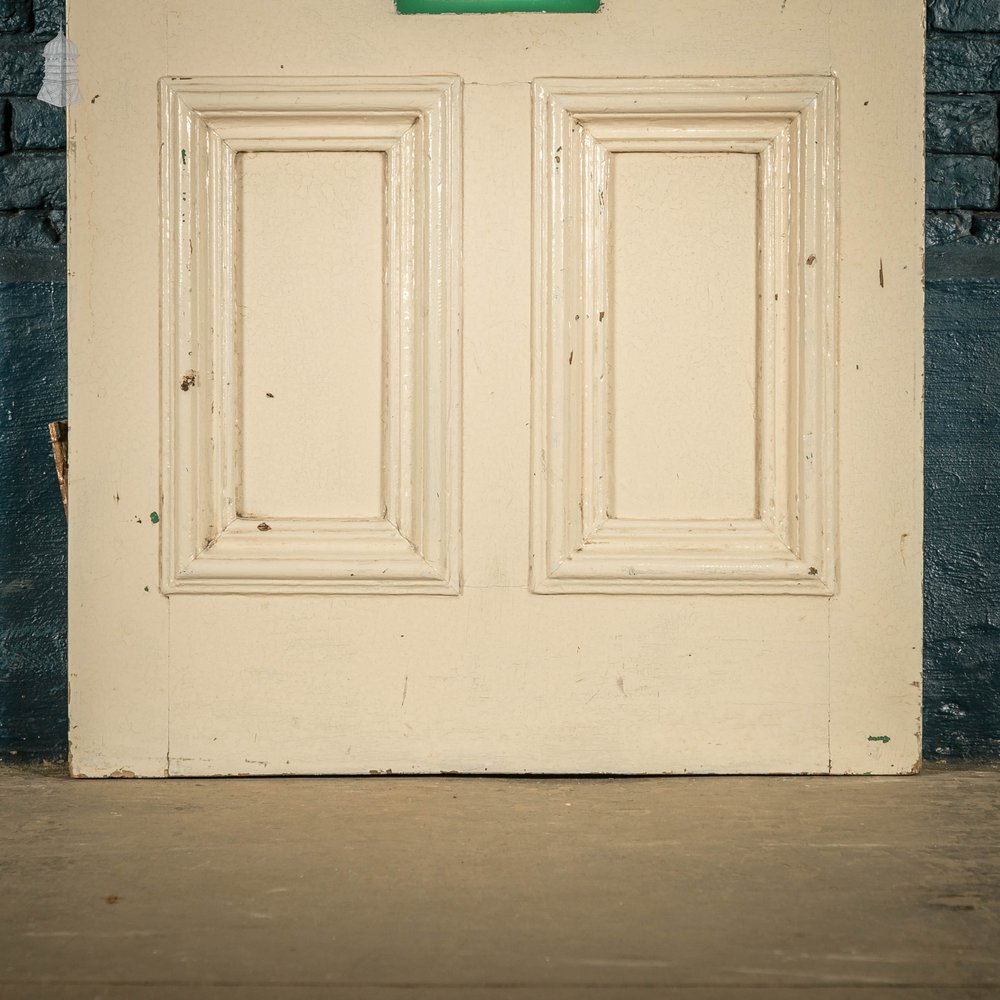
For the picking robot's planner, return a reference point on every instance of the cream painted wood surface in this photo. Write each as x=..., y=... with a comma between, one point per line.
x=514, y=393
x=289, y=463
x=674, y=314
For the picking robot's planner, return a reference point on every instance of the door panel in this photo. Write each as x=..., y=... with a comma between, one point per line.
x=539, y=691
x=682, y=311
x=533, y=392
x=311, y=376
x=787, y=542
x=232, y=520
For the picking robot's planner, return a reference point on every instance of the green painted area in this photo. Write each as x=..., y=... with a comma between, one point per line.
x=878, y=739
x=497, y=6
x=154, y=517
x=184, y=156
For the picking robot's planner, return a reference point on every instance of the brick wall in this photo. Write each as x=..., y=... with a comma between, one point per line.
x=962, y=375
x=32, y=390
x=963, y=84
x=32, y=141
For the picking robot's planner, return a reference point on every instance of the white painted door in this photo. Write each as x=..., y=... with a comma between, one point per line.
x=495, y=393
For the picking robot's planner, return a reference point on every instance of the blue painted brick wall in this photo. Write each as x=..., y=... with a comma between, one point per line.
x=963, y=86
x=32, y=525
x=962, y=508
x=962, y=383
x=32, y=390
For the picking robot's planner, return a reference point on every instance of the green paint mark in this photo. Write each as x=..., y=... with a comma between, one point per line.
x=878, y=739
x=497, y=6
x=146, y=589
x=184, y=157
x=154, y=517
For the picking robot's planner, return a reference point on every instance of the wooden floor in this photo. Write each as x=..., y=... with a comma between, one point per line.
x=423, y=888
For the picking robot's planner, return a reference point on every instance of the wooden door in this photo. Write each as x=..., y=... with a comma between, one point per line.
x=526, y=392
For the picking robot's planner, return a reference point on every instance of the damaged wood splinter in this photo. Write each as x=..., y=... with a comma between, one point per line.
x=59, y=435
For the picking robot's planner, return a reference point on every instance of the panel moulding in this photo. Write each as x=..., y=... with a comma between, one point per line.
x=789, y=546
x=206, y=547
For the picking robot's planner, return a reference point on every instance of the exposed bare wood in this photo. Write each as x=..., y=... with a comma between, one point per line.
x=59, y=435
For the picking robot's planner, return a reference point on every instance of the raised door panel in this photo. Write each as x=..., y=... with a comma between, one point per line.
x=312, y=420
x=658, y=344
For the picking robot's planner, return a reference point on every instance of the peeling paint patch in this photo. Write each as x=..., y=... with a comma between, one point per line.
x=154, y=517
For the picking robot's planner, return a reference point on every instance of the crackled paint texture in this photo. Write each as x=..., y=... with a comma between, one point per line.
x=962, y=504
x=32, y=390
x=32, y=524
x=962, y=400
